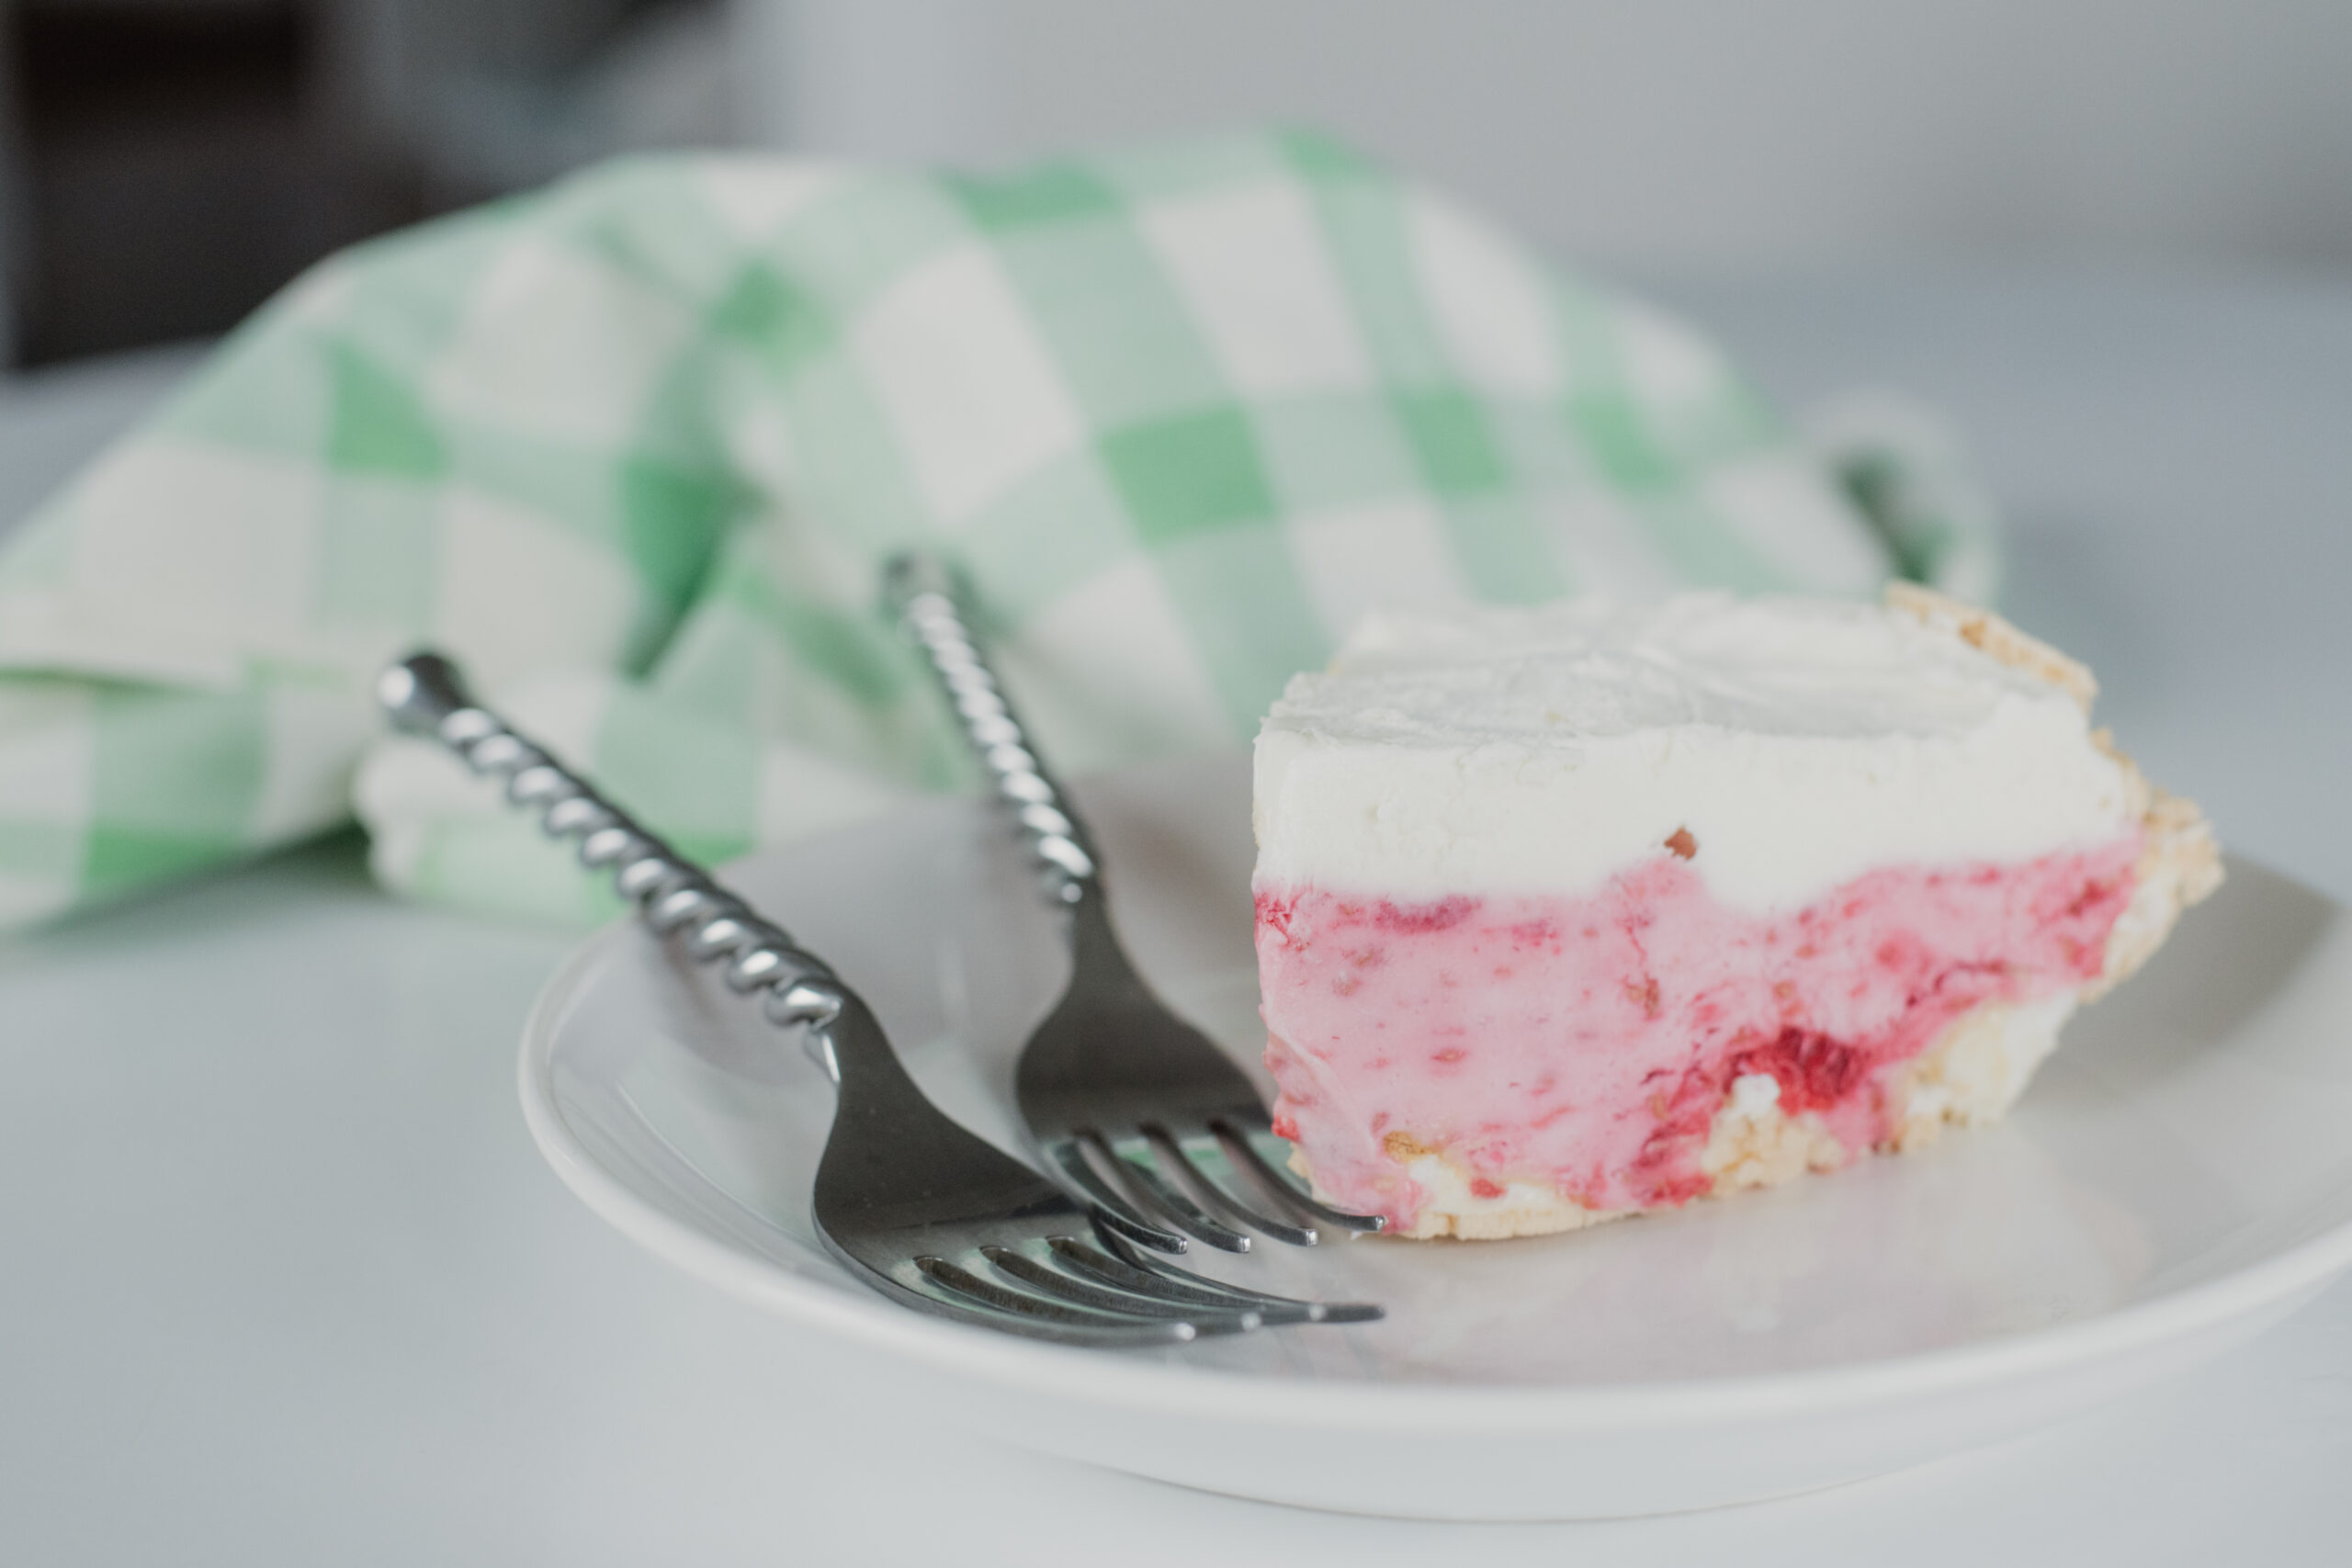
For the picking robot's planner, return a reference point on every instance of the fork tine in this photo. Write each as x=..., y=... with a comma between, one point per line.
x=1174, y=1284
x=1127, y=1272
x=1111, y=1207
x=975, y=1296
x=1052, y=1281
x=1277, y=1187
x=1186, y=1172
x=1151, y=1193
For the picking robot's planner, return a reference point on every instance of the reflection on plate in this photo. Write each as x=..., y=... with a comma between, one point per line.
x=2174, y=1181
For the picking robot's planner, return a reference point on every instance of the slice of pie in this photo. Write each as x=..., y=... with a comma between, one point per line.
x=1570, y=912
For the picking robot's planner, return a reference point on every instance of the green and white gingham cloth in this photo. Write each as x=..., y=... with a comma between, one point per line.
x=633, y=448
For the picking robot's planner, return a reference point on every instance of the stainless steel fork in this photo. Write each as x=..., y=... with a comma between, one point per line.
x=1136, y=1107
x=912, y=1203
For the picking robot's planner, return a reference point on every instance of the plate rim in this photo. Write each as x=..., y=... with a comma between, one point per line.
x=1092, y=1378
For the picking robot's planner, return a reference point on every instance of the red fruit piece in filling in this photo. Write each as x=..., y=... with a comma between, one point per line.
x=1812, y=1070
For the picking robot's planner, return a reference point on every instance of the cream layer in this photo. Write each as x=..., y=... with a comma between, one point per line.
x=1798, y=742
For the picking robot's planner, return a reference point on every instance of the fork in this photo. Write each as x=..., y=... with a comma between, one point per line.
x=1135, y=1106
x=911, y=1202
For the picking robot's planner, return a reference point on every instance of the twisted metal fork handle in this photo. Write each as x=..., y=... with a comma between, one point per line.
x=919, y=589
x=425, y=695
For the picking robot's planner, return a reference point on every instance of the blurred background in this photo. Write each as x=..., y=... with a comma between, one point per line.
x=2109, y=241
x=168, y=163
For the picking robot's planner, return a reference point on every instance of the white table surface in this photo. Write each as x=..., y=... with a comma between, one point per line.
x=282, y=1281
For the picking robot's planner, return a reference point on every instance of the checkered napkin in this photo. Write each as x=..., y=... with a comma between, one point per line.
x=634, y=448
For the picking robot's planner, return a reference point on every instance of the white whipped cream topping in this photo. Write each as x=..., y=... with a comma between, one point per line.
x=1799, y=742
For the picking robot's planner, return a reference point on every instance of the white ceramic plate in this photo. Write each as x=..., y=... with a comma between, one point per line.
x=2178, y=1179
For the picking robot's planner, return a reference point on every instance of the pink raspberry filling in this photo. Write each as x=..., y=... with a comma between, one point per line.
x=1586, y=1043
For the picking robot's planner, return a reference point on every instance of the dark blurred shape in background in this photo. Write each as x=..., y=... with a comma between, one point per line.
x=177, y=164
x=164, y=164
x=171, y=163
